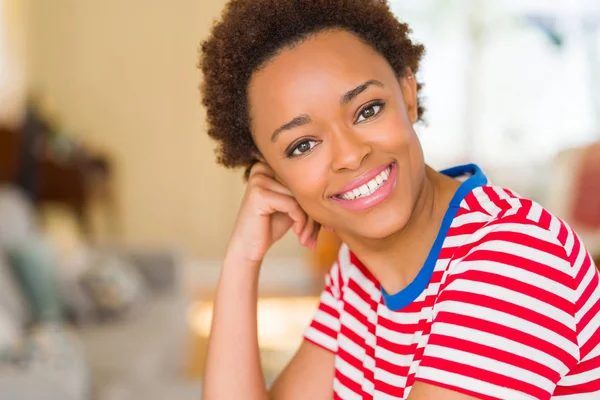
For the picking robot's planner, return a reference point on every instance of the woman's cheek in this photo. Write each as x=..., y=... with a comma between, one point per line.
x=310, y=191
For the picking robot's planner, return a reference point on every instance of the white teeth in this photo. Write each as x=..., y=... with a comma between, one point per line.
x=369, y=188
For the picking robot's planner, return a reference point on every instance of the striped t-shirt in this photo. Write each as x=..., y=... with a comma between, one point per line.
x=507, y=306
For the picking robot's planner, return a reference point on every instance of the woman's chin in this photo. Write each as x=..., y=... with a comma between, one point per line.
x=377, y=230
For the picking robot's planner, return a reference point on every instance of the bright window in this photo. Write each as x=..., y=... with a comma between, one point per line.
x=506, y=82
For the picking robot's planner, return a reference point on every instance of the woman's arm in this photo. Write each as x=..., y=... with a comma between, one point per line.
x=233, y=368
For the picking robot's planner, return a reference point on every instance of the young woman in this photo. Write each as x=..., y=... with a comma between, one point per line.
x=445, y=287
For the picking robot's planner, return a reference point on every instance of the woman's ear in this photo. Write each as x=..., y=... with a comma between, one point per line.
x=408, y=83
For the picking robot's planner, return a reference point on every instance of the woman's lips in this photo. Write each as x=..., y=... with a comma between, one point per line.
x=363, y=179
x=368, y=201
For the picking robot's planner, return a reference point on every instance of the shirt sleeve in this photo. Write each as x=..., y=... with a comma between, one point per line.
x=325, y=326
x=503, y=326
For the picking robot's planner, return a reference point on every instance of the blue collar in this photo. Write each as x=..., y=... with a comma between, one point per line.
x=406, y=296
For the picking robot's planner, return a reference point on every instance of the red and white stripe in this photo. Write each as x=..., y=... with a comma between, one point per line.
x=512, y=312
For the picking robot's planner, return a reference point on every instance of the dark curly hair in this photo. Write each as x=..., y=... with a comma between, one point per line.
x=253, y=31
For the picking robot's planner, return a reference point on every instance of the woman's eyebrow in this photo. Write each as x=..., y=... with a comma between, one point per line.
x=300, y=120
x=304, y=119
x=351, y=94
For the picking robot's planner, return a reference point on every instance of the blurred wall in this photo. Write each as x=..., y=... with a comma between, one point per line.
x=12, y=61
x=122, y=75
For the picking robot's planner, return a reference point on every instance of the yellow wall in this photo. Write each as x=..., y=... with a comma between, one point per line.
x=122, y=75
x=12, y=61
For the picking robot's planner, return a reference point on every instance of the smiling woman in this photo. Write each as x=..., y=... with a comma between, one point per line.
x=445, y=287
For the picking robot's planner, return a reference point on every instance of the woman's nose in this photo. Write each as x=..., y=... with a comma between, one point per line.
x=348, y=150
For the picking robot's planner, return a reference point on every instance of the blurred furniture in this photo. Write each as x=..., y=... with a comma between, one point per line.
x=141, y=355
x=574, y=192
x=54, y=171
x=9, y=150
x=74, y=184
x=136, y=355
x=53, y=365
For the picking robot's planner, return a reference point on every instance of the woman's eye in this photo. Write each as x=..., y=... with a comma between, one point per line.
x=302, y=148
x=369, y=112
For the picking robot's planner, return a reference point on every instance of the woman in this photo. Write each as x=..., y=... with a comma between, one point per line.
x=445, y=287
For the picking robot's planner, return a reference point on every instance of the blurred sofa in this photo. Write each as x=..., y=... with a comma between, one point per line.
x=95, y=334
x=41, y=360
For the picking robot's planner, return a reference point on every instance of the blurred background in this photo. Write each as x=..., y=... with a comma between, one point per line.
x=114, y=216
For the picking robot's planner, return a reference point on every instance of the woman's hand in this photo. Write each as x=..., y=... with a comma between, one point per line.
x=267, y=212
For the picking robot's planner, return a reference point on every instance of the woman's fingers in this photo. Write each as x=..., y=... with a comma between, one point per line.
x=263, y=177
x=262, y=169
x=282, y=203
x=310, y=234
x=305, y=235
x=269, y=183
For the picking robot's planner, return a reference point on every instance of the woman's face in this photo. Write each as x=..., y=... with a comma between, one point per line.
x=335, y=123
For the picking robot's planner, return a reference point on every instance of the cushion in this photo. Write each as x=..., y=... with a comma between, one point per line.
x=12, y=300
x=34, y=265
x=16, y=215
x=114, y=284
x=159, y=268
x=9, y=331
x=78, y=304
x=13, y=309
x=48, y=357
x=47, y=344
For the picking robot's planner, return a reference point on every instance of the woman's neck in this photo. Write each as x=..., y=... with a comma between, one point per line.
x=397, y=259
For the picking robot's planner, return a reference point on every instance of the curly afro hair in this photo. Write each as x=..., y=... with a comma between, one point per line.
x=251, y=32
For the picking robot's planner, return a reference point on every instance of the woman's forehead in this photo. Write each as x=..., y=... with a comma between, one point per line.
x=316, y=72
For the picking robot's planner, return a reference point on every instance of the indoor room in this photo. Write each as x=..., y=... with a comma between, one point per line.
x=115, y=216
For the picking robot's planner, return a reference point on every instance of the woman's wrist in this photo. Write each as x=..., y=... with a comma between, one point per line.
x=238, y=267
x=235, y=255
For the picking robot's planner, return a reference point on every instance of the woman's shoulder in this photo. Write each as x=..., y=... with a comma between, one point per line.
x=510, y=213
x=518, y=236
x=498, y=201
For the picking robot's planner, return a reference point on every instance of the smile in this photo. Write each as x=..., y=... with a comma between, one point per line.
x=368, y=188
x=364, y=195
